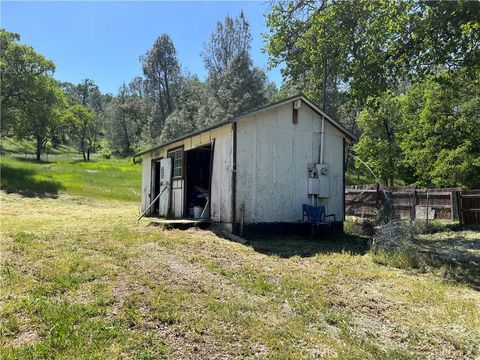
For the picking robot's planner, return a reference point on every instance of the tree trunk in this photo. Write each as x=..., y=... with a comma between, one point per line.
x=167, y=89
x=127, y=139
x=88, y=154
x=83, y=151
x=39, y=147
x=160, y=101
x=324, y=85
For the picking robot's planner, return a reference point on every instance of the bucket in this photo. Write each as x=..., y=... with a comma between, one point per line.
x=197, y=212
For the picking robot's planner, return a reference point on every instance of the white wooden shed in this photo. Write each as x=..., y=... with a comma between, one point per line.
x=255, y=170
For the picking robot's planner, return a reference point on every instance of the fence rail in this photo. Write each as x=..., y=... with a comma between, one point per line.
x=411, y=203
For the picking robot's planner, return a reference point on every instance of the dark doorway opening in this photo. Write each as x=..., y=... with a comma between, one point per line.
x=198, y=182
x=155, y=185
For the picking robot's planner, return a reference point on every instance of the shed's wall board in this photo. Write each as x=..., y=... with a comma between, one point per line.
x=221, y=205
x=272, y=158
x=146, y=180
x=333, y=157
x=221, y=193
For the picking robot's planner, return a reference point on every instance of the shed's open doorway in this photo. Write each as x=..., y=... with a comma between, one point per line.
x=198, y=182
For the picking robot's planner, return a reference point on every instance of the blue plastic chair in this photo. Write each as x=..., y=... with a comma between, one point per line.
x=316, y=214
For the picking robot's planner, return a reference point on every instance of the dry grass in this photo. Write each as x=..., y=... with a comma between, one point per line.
x=81, y=278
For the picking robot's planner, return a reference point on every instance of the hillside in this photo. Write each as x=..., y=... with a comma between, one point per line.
x=63, y=170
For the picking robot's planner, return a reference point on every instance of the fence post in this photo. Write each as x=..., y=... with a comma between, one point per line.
x=454, y=204
x=415, y=203
x=460, y=207
x=428, y=200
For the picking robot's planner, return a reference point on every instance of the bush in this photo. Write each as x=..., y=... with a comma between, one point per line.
x=106, y=153
x=358, y=226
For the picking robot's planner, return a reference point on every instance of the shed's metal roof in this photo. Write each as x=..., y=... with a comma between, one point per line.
x=254, y=111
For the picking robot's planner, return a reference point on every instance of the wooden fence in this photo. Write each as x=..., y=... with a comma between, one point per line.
x=411, y=203
x=469, y=207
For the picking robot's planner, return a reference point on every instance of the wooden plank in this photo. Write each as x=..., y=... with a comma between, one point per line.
x=182, y=221
x=360, y=191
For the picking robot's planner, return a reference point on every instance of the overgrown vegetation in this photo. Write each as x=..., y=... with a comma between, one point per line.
x=81, y=276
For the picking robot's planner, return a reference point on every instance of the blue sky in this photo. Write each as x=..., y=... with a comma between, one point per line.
x=104, y=40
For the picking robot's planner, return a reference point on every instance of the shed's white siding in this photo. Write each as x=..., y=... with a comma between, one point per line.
x=272, y=155
x=272, y=158
x=221, y=202
x=333, y=157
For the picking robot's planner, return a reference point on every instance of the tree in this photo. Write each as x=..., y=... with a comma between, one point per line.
x=441, y=141
x=31, y=100
x=127, y=117
x=352, y=56
x=88, y=94
x=229, y=39
x=233, y=85
x=441, y=33
x=162, y=70
x=40, y=117
x=381, y=122
x=81, y=121
x=21, y=69
x=186, y=118
x=238, y=89
x=365, y=48
x=337, y=45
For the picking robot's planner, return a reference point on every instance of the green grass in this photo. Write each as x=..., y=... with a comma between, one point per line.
x=64, y=171
x=26, y=148
x=81, y=278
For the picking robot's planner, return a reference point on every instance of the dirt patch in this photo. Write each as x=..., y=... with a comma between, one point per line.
x=26, y=335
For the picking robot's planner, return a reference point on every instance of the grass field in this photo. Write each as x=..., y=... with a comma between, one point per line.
x=64, y=171
x=81, y=278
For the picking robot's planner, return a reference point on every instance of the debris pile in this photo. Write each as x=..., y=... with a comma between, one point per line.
x=393, y=235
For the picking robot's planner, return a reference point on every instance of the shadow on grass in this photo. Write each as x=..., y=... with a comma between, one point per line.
x=23, y=182
x=439, y=227
x=31, y=160
x=81, y=161
x=457, y=258
x=288, y=246
x=19, y=149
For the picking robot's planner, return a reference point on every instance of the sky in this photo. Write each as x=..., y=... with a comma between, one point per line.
x=103, y=41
